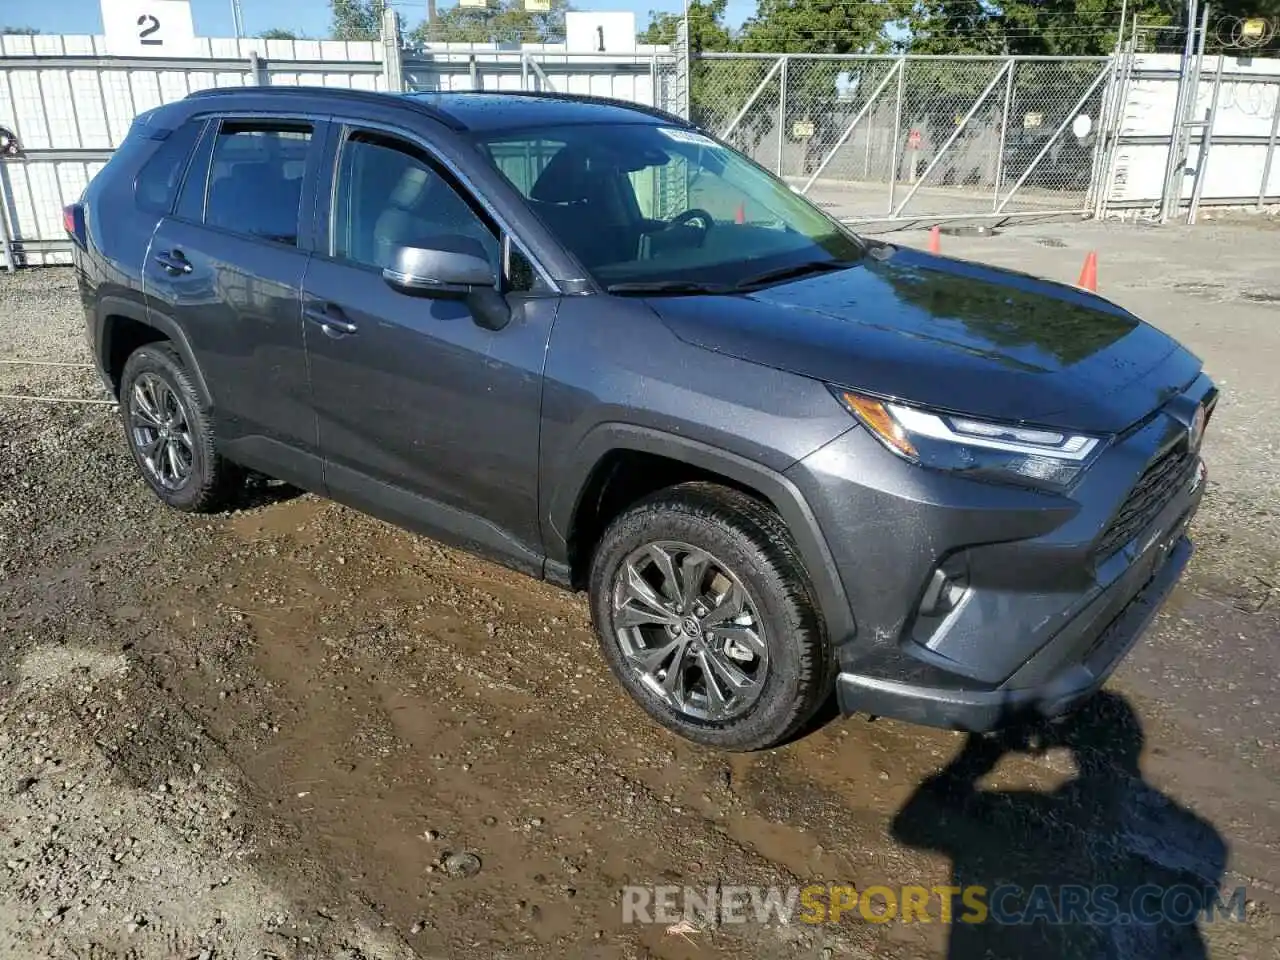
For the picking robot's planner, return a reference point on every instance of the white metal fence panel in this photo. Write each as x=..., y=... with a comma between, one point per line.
x=69, y=105
x=1240, y=127
x=641, y=77
x=872, y=138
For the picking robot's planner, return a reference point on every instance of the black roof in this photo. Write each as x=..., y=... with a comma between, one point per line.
x=497, y=109
x=479, y=109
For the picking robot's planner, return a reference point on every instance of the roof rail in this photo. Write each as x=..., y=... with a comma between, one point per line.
x=644, y=108
x=339, y=93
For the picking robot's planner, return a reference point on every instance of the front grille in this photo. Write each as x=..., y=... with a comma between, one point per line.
x=1158, y=484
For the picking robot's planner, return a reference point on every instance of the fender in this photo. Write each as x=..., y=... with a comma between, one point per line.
x=773, y=486
x=133, y=310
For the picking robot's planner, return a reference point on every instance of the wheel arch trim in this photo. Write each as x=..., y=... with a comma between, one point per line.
x=110, y=307
x=578, y=467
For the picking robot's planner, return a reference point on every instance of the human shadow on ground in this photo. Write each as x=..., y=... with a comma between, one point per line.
x=1104, y=866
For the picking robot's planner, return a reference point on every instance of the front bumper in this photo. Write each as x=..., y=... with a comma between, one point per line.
x=1046, y=611
x=1061, y=675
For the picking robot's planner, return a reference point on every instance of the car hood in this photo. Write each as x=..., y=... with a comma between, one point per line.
x=949, y=334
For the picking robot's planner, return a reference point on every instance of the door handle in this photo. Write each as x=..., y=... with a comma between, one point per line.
x=174, y=262
x=331, y=320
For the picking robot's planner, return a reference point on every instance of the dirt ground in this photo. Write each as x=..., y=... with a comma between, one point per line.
x=269, y=733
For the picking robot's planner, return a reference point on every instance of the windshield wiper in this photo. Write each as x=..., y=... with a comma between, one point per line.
x=674, y=287
x=793, y=272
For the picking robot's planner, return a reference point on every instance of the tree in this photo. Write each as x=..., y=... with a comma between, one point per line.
x=275, y=33
x=1028, y=27
x=502, y=21
x=821, y=26
x=357, y=19
x=18, y=31
x=707, y=30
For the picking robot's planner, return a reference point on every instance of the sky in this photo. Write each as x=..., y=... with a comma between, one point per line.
x=310, y=17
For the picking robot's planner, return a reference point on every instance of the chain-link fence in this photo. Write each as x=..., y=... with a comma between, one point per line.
x=895, y=138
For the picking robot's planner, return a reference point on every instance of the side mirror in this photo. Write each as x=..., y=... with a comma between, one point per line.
x=450, y=267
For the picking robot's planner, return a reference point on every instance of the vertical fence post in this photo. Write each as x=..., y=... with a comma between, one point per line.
x=6, y=235
x=1093, y=201
x=1188, y=91
x=654, y=99
x=1116, y=126
x=1175, y=130
x=258, y=70
x=897, y=132
x=782, y=112
x=684, y=67
x=1271, y=149
x=1206, y=141
x=998, y=177
x=392, y=55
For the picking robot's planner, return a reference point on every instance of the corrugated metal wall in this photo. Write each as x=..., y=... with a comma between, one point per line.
x=1243, y=121
x=70, y=105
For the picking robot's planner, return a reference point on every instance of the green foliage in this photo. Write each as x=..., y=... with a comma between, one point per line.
x=821, y=26
x=19, y=31
x=357, y=19
x=707, y=30
x=275, y=33
x=502, y=21
x=1028, y=27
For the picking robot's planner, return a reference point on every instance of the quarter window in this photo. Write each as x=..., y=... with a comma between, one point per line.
x=255, y=179
x=161, y=176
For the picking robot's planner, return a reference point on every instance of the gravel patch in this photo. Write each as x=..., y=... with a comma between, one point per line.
x=292, y=731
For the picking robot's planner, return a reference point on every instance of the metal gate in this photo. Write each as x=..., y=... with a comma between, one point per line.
x=897, y=139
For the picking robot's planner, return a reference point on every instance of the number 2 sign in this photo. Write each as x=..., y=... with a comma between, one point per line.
x=148, y=28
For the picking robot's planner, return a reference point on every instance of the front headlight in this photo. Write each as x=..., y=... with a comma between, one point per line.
x=1034, y=456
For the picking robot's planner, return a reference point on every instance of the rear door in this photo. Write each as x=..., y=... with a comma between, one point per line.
x=227, y=265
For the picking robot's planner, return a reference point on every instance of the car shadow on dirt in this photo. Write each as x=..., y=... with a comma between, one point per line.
x=1104, y=865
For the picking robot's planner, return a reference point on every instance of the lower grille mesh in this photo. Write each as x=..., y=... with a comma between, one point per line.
x=1153, y=491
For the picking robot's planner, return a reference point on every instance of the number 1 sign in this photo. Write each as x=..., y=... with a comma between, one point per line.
x=148, y=28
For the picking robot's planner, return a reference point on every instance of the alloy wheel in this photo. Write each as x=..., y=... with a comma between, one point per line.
x=160, y=432
x=688, y=628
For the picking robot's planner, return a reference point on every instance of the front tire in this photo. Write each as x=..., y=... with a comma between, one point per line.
x=706, y=615
x=170, y=433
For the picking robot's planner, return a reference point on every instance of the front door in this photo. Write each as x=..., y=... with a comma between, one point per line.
x=424, y=417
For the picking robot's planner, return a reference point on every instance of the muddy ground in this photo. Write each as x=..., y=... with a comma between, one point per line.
x=267, y=733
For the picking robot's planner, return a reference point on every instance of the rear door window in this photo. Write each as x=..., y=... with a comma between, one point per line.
x=255, y=178
x=161, y=176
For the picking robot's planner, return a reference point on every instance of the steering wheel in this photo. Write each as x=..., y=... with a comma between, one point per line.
x=696, y=213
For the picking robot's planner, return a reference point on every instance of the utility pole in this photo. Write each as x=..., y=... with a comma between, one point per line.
x=431, y=19
x=237, y=19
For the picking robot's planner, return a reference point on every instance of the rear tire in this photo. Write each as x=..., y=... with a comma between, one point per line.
x=705, y=614
x=170, y=433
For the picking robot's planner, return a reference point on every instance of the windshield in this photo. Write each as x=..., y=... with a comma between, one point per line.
x=645, y=206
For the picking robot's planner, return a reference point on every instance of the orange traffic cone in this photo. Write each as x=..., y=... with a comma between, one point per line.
x=935, y=240
x=741, y=215
x=1089, y=273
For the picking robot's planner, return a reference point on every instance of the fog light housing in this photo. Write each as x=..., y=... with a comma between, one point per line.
x=944, y=592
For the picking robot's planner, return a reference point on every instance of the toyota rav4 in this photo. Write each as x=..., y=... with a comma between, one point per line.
x=590, y=341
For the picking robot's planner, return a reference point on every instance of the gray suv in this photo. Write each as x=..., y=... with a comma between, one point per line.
x=592, y=342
